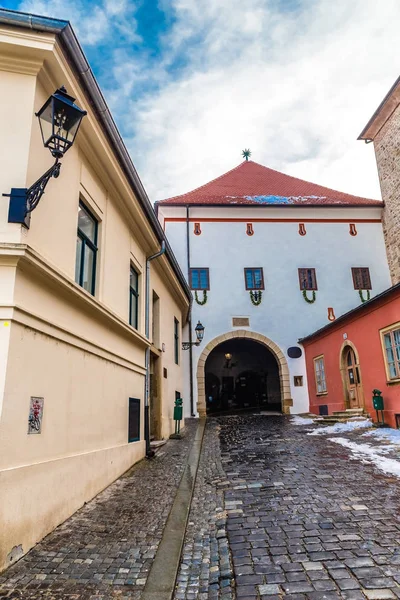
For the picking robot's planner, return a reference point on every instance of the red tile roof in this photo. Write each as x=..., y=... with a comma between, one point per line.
x=251, y=183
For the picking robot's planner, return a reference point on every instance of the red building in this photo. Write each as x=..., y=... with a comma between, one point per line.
x=353, y=355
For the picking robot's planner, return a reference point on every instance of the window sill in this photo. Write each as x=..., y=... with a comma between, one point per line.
x=321, y=394
x=393, y=382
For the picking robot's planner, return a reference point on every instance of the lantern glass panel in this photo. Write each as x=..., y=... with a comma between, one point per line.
x=46, y=122
x=199, y=329
x=66, y=123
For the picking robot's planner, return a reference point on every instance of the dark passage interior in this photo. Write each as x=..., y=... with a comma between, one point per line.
x=242, y=374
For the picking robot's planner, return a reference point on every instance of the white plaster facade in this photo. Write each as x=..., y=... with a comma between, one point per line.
x=283, y=316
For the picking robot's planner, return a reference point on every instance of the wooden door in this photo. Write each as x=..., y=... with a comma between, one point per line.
x=353, y=383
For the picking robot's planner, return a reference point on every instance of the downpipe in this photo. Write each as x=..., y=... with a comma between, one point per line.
x=149, y=452
x=192, y=414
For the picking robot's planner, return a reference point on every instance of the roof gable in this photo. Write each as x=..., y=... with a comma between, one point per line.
x=253, y=184
x=382, y=114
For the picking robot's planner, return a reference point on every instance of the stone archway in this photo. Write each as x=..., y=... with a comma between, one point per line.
x=287, y=401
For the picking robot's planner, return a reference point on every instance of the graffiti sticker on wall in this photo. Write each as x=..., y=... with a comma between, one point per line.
x=35, y=415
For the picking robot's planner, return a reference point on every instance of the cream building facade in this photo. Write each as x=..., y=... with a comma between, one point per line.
x=73, y=360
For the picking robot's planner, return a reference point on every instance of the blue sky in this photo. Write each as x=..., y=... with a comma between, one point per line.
x=193, y=82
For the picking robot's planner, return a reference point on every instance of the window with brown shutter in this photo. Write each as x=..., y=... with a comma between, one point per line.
x=254, y=278
x=307, y=279
x=199, y=279
x=361, y=278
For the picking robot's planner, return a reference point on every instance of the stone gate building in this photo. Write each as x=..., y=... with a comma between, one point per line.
x=269, y=258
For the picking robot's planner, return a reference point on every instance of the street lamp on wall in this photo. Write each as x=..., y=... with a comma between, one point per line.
x=229, y=364
x=59, y=120
x=199, y=329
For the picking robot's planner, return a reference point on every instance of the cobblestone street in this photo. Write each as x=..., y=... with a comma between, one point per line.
x=306, y=519
x=105, y=550
x=275, y=513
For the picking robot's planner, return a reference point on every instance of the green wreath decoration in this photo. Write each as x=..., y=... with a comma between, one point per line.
x=362, y=295
x=307, y=299
x=201, y=302
x=256, y=300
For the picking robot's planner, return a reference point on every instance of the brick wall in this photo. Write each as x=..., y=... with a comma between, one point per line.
x=387, y=150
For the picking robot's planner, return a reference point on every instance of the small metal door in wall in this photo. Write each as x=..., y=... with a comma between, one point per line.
x=134, y=420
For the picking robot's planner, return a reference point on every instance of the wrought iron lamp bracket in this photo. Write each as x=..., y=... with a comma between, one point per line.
x=36, y=191
x=187, y=345
x=23, y=201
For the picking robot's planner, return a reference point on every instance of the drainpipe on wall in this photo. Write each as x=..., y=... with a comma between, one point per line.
x=149, y=452
x=192, y=413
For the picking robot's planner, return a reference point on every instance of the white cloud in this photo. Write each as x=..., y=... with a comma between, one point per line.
x=93, y=23
x=295, y=86
x=293, y=80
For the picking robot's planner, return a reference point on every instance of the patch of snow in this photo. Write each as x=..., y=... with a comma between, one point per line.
x=296, y=420
x=341, y=427
x=391, y=435
x=270, y=199
x=369, y=454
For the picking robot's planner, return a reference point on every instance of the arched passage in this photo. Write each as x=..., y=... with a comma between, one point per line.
x=282, y=367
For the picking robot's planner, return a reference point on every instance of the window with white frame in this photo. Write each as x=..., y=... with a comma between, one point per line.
x=320, y=379
x=391, y=341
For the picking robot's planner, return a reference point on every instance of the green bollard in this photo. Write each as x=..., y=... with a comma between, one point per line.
x=377, y=402
x=178, y=414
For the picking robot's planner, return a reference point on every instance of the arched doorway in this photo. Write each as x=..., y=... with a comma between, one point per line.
x=247, y=366
x=351, y=376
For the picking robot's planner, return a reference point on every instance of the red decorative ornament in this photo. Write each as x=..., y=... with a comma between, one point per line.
x=249, y=229
x=302, y=229
x=352, y=230
x=197, y=229
x=331, y=314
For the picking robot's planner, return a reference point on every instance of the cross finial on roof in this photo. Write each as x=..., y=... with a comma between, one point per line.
x=246, y=153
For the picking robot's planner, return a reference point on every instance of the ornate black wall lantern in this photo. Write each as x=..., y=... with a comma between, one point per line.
x=199, y=329
x=59, y=120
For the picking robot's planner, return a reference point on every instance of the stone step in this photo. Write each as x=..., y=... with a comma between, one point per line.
x=343, y=416
x=155, y=445
x=350, y=412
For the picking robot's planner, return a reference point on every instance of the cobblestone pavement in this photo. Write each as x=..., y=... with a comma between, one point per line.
x=206, y=569
x=105, y=550
x=306, y=519
x=293, y=516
